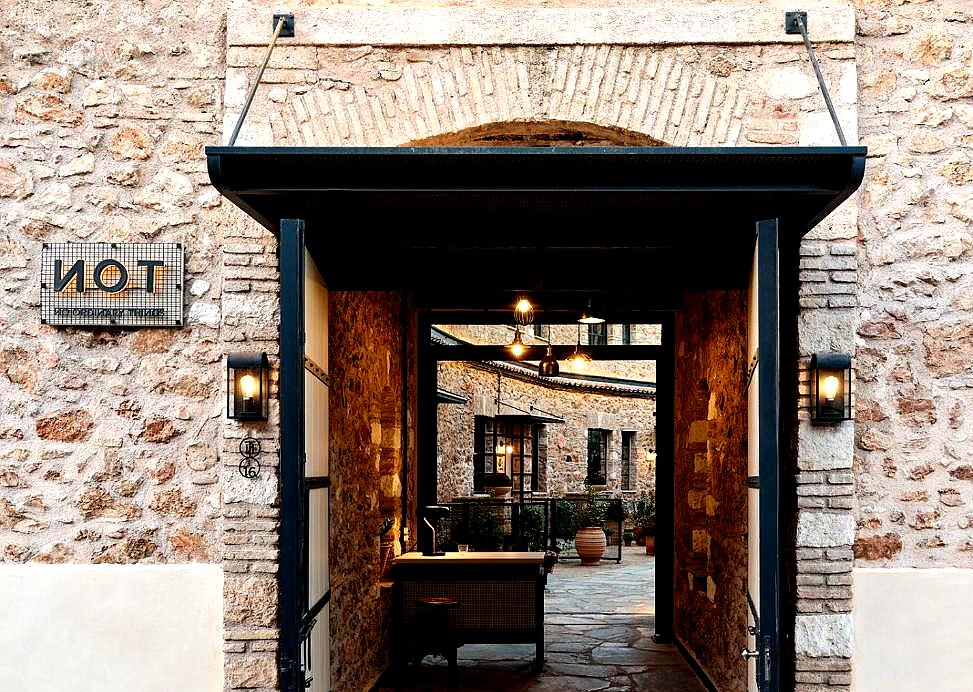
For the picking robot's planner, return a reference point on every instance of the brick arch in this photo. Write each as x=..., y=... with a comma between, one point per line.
x=539, y=133
x=648, y=92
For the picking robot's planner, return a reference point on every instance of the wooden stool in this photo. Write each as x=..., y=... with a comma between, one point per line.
x=439, y=638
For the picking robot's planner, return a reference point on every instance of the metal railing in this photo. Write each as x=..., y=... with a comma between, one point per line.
x=530, y=525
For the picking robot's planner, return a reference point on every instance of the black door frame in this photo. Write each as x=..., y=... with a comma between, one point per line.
x=769, y=430
x=292, y=594
x=664, y=355
x=293, y=588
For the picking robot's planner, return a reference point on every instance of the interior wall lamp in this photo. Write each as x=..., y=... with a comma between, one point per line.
x=247, y=386
x=830, y=387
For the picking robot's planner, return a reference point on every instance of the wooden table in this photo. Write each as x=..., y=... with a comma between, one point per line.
x=500, y=595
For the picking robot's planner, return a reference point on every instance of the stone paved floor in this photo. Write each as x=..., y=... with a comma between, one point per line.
x=598, y=628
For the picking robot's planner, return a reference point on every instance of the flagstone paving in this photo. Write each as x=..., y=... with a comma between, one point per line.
x=598, y=628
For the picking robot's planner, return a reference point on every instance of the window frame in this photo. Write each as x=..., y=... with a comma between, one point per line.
x=628, y=479
x=598, y=442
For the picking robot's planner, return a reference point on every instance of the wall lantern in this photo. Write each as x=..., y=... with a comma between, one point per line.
x=830, y=387
x=247, y=386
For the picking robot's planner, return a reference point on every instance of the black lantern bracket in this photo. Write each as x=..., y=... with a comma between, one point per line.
x=830, y=387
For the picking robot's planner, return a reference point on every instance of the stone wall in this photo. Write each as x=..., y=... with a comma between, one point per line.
x=710, y=480
x=366, y=386
x=110, y=439
x=913, y=472
x=582, y=407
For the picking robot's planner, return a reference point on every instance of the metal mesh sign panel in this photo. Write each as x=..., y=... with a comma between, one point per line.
x=112, y=284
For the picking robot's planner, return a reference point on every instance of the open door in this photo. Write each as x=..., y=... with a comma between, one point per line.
x=305, y=486
x=763, y=413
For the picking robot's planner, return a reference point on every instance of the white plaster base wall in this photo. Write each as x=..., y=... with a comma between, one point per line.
x=111, y=628
x=913, y=630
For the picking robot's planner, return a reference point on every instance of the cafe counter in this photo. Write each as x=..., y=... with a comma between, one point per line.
x=500, y=597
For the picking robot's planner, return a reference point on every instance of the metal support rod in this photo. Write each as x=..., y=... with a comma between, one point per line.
x=256, y=82
x=799, y=20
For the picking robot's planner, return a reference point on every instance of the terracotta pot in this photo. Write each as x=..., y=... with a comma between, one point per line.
x=590, y=543
x=498, y=490
x=650, y=545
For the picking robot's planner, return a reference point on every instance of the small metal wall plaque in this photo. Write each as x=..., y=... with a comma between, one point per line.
x=112, y=284
x=250, y=464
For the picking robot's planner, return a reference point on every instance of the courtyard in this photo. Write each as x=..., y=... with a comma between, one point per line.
x=599, y=623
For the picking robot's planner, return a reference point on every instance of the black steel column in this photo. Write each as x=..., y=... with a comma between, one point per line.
x=292, y=598
x=427, y=430
x=665, y=482
x=768, y=328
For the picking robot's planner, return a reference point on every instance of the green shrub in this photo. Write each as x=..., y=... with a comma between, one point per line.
x=532, y=528
x=643, y=515
x=565, y=523
x=484, y=531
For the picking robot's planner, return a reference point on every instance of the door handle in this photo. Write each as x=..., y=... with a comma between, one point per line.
x=747, y=654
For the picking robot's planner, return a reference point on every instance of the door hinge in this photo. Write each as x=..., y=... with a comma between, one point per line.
x=287, y=671
x=752, y=368
x=764, y=662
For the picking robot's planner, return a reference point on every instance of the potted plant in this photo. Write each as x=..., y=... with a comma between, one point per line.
x=643, y=517
x=386, y=545
x=483, y=531
x=590, y=540
x=550, y=559
x=497, y=484
x=628, y=536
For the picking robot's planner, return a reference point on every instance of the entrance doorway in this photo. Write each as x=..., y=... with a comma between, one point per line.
x=698, y=212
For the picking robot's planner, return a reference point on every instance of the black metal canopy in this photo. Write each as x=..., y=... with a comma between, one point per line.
x=465, y=227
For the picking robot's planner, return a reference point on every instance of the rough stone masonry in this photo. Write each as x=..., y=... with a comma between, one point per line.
x=114, y=446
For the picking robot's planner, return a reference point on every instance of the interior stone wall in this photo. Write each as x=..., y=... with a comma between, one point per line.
x=710, y=483
x=364, y=355
x=581, y=408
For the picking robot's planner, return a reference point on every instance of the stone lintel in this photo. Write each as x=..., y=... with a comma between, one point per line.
x=670, y=24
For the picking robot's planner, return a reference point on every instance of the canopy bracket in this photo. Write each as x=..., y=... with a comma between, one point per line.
x=283, y=26
x=796, y=23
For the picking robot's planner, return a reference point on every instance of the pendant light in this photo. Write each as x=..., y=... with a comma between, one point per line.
x=548, y=366
x=579, y=359
x=517, y=346
x=523, y=312
x=589, y=317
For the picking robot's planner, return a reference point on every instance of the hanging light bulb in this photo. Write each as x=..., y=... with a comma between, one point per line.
x=548, y=366
x=517, y=347
x=523, y=312
x=588, y=317
x=579, y=359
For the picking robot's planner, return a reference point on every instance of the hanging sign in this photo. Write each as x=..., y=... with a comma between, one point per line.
x=112, y=284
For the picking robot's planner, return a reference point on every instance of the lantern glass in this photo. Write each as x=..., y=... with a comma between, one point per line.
x=830, y=387
x=247, y=386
